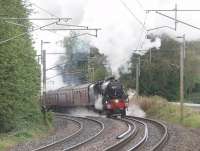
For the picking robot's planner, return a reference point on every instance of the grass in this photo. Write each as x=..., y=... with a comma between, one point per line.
x=160, y=108
x=35, y=131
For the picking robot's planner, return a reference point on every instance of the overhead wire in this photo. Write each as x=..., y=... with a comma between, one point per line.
x=54, y=32
x=45, y=18
x=40, y=28
x=24, y=33
x=137, y=19
x=17, y=24
x=65, y=73
x=66, y=21
x=140, y=4
x=140, y=43
x=131, y=12
x=51, y=14
x=44, y=10
x=162, y=50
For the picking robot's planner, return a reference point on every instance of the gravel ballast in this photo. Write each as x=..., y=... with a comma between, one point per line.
x=182, y=139
x=113, y=128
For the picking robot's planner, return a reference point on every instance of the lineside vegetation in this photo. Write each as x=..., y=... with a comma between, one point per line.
x=159, y=108
x=19, y=76
x=160, y=74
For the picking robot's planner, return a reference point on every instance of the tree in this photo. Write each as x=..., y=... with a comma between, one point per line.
x=83, y=62
x=19, y=72
x=161, y=76
x=98, y=61
x=192, y=78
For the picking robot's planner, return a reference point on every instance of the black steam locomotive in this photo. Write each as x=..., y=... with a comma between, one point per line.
x=106, y=96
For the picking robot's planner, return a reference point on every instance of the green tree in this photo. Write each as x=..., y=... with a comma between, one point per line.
x=192, y=71
x=161, y=76
x=83, y=62
x=19, y=72
x=98, y=62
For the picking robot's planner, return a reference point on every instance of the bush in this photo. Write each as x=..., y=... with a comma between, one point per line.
x=159, y=108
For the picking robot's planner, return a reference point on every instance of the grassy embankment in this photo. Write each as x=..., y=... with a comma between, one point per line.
x=27, y=133
x=159, y=108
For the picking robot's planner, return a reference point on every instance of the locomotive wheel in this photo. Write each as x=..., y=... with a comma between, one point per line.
x=123, y=113
x=108, y=114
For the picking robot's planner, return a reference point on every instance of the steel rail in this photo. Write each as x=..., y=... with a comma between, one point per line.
x=126, y=139
x=144, y=138
x=125, y=133
x=67, y=116
x=90, y=138
x=163, y=139
x=63, y=139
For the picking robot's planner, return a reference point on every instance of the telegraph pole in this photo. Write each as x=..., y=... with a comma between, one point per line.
x=44, y=71
x=42, y=65
x=43, y=60
x=41, y=48
x=150, y=56
x=41, y=71
x=182, y=76
x=137, y=76
x=182, y=57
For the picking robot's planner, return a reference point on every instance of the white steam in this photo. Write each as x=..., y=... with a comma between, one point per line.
x=121, y=34
x=82, y=112
x=98, y=102
x=133, y=109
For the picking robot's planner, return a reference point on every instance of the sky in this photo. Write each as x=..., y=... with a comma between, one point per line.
x=121, y=33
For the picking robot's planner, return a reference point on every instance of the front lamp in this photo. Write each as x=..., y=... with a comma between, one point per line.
x=116, y=101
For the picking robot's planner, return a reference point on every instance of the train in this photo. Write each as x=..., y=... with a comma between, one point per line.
x=106, y=97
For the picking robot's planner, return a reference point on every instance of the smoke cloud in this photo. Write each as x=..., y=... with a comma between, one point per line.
x=133, y=109
x=98, y=102
x=121, y=34
x=82, y=112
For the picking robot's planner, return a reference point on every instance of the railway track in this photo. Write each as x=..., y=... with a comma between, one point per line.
x=157, y=134
x=80, y=127
x=149, y=135
x=88, y=129
x=141, y=134
x=115, y=131
x=125, y=137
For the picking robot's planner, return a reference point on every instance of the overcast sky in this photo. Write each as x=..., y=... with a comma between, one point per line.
x=121, y=32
